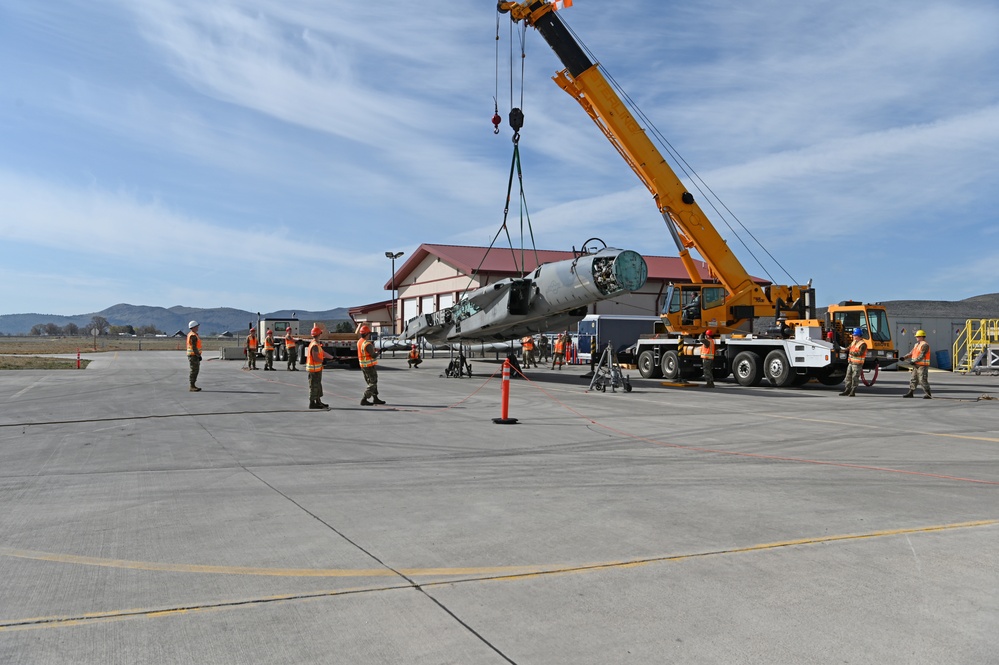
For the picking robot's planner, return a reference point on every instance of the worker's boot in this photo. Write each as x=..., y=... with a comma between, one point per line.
x=320, y=405
x=376, y=400
x=365, y=402
x=194, y=389
x=853, y=393
x=908, y=394
x=845, y=393
x=928, y=395
x=313, y=404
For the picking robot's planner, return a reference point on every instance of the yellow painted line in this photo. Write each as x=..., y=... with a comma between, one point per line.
x=882, y=427
x=245, y=570
x=478, y=574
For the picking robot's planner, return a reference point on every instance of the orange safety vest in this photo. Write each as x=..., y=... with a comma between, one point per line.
x=193, y=344
x=708, y=350
x=364, y=354
x=414, y=354
x=527, y=343
x=921, y=354
x=289, y=342
x=560, y=346
x=269, y=343
x=314, y=358
x=858, y=351
x=251, y=342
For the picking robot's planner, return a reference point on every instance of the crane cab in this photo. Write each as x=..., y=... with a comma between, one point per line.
x=692, y=308
x=872, y=319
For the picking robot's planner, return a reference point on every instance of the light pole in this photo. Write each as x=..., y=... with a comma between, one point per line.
x=393, y=256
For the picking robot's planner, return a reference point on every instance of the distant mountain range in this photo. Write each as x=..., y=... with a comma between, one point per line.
x=169, y=320
x=222, y=319
x=978, y=307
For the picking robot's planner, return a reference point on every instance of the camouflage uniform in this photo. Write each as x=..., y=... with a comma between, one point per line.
x=858, y=350
x=269, y=352
x=292, y=350
x=194, y=357
x=251, y=350
x=920, y=356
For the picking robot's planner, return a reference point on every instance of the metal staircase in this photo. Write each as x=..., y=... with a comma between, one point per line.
x=977, y=347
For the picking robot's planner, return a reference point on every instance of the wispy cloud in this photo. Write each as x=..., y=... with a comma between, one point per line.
x=307, y=139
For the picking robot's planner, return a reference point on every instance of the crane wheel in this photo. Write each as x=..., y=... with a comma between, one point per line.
x=778, y=369
x=647, y=365
x=747, y=369
x=670, y=366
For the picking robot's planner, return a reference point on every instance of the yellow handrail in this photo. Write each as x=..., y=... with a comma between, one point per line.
x=977, y=335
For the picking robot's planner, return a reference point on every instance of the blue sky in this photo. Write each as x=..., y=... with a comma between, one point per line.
x=265, y=155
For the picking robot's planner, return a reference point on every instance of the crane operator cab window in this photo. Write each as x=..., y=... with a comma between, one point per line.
x=691, y=300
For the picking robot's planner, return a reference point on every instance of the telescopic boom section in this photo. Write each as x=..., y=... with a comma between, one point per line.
x=584, y=82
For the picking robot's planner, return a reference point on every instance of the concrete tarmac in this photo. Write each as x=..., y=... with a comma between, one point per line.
x=142, y=523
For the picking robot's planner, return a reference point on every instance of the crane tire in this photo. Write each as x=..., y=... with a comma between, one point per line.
x=670, y=366
x=647, y=365
x=778, y=369
x=747, y=369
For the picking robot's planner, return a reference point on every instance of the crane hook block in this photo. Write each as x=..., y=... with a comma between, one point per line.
x=516, y=119
x=496, y=123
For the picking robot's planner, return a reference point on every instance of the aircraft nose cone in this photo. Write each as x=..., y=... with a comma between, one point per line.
x=630, y=270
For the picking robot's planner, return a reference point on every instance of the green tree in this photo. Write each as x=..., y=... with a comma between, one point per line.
x=71, y=329
x=52, y=329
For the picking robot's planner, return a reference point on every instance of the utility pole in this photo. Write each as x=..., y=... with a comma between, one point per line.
x=393, y=256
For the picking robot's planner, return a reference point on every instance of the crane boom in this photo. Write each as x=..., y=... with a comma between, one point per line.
x=745, y=299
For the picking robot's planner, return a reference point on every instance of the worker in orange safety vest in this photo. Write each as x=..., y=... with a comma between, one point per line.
x=194, y=354
x=920, y=356
x=414, y=357
x=366, y=354
x=251, y=349
x=527, y=348
x=290, y=345
x=708, y=358
x=855, y=365
x=269, y=351
x=559, y=355
x=314, y=357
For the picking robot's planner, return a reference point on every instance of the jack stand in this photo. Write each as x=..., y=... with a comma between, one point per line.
x=608, y=372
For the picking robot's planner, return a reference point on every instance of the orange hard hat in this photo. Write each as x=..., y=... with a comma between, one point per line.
x=316, y=330
x=364, y=329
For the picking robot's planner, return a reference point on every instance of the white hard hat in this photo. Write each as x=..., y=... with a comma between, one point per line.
x=192, y=324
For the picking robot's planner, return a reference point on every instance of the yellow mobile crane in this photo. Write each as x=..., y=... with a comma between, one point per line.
x=797, y=346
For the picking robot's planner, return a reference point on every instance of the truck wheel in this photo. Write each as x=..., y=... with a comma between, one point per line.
x=778, y=369
x=747, y=369
x=647, y=366
x=670, y=366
